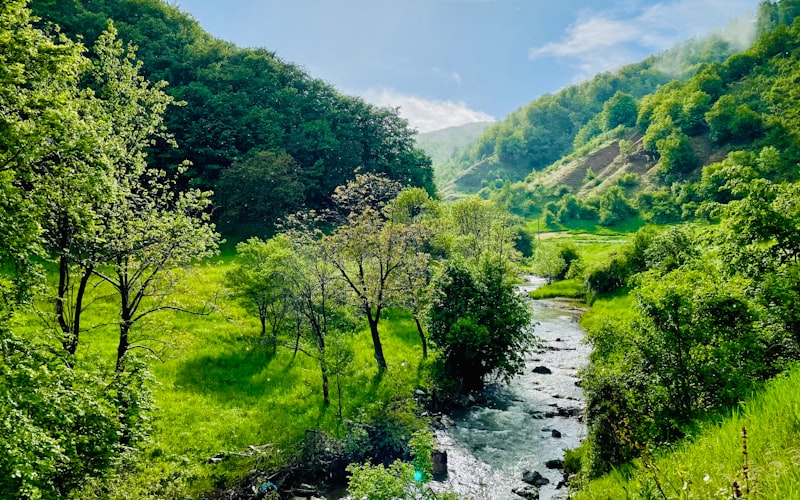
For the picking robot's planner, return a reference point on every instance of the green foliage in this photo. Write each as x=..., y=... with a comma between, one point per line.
x=479, y=324
x=614, y=206
x=260, y=188
x=619, y=110
x=398, y=480
x=677, y=157
x=258, y=282
x=709, y=463
x=242, y=102
x=733, y=122
x=552, y=261
x=59, y=426
x=379, y=482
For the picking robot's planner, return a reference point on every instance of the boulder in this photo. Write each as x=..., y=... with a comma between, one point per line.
x=554, y=464
x=555, y=433
x=439, y=460
x=529, y=492
x=543, y=370
x=534, y=478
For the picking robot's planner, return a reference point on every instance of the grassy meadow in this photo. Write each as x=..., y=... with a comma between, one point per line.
x=217, y=388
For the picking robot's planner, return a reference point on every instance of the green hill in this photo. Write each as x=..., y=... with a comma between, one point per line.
x=445, y=144
x=240, y=103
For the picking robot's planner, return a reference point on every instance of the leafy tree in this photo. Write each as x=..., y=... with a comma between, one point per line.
x=40, y=118
x=614, y=207
x=260, y=282
x=368, y=251
x=148, y=230
x=318, y=299
x=479, y=324
x=677, y=156
x=260, y=188
x=730, y=121
x=619, y=110
x=477, y=228
x=59, y=426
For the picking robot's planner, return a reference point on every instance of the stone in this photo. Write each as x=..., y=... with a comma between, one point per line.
x=534, y=478
x=554, y=464
x=543, y=370
x=555, y=433
x=529, y=492
x=439, y=461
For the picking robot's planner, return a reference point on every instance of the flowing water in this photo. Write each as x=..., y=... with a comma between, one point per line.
x=490, y=445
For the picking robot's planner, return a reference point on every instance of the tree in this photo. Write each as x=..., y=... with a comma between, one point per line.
x=477, y=228
x=318, y=299
x=614, y=207
x=479, y=324
x=260, y=281
x=59, y=425
x=40, y=119
x=619, y=110
x=548, y=262
x=677, y=156
x=260, y=188
x=148, y=230
x=370, y=251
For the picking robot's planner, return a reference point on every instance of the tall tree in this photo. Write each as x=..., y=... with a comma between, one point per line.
x=369, y=251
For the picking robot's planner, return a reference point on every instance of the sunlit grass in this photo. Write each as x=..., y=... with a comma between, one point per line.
x=707, y=465
x=572, y=288
x=218, y=389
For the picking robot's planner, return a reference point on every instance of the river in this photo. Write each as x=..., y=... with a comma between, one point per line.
x=490, y=445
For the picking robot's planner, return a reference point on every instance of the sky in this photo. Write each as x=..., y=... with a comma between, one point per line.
x=450, y=62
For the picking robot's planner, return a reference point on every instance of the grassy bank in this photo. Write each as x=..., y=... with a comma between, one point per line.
x=713, y=463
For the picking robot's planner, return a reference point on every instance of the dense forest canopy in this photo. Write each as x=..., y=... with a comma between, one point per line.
x=248, y=120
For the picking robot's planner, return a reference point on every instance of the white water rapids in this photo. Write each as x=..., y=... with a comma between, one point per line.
x=489, y=446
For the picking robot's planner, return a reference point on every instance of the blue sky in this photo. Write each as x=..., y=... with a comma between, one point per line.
x=448, y=62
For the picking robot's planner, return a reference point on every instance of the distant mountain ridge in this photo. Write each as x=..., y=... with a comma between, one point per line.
x=554, y=126
x=447, y=143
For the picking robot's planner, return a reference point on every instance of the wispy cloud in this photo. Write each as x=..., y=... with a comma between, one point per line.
x=603, y=40
x=427, y=115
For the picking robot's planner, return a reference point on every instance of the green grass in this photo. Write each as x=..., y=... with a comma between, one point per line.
x=218, y=389
x=572, y=288
x=615, y=306
x=706, y=466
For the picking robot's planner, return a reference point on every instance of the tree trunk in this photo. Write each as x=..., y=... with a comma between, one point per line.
x=422, y=337
x=325, y=395
x=124, y=343
x=125, y=324
x=376, y=342
x=339, y=390
x=297, y=340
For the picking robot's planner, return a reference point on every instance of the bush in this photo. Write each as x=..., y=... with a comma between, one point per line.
x=479, y=325
x=606, y=277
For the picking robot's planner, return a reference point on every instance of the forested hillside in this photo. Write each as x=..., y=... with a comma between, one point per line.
x=554, y=126
x=446, y=144
x=263, y=134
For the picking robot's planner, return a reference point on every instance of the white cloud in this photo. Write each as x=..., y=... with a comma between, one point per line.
x=600, y=41
x=427, y=115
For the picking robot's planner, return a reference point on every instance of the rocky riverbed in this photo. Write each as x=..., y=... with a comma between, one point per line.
x=515, y=438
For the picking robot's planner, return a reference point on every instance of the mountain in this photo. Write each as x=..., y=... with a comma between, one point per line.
x=259, y=131
x=678, y=152
x=554, y=126
x=445, y=144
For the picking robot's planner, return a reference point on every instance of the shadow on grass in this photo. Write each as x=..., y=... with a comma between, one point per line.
x=238, y=375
